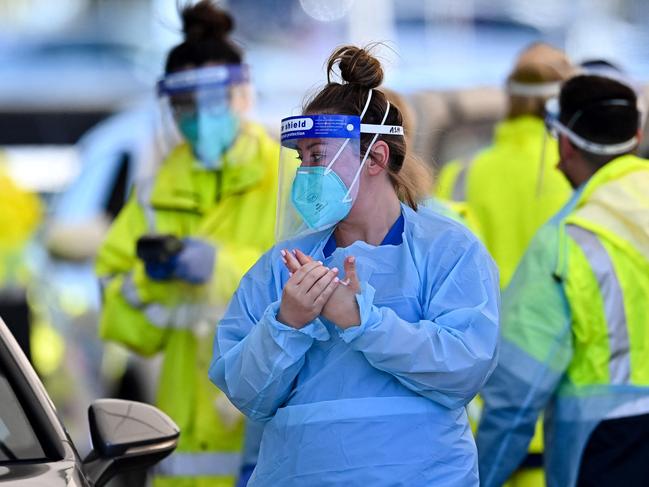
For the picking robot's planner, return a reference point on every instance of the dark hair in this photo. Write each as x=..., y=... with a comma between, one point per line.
x=360, y=73
x=206, y=29
x=583, y=109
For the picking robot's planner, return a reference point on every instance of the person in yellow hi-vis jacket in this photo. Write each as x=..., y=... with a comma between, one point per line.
x=512, y=187
x=178, y=249
x=575, y=317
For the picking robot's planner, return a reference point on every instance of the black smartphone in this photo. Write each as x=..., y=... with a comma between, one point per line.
x=158, y=248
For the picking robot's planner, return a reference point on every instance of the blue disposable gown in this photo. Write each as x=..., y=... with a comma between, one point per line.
x=377, y=404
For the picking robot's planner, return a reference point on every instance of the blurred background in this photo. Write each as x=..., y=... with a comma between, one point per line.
x=78, y=120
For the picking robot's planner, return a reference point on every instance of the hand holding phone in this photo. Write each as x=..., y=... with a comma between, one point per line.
x=159, y=253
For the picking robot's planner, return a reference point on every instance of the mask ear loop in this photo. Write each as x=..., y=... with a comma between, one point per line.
x=342, y=147
x=347, y=198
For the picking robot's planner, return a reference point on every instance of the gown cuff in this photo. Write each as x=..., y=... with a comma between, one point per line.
x=369, y=314
x=281, y=333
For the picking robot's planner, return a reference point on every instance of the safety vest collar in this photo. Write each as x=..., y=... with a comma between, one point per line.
x=197, y=189
x=615, y=204
x=613, y=170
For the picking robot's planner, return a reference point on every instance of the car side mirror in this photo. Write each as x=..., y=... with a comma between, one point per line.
x=126, y=435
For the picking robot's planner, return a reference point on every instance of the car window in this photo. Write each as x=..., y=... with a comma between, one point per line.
x=18, y=441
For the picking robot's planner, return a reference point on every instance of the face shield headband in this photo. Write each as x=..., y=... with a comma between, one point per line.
x=555, y=127
x=533, y=90
x=203, y=78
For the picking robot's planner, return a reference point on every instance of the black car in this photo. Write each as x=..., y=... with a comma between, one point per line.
x=35, y=449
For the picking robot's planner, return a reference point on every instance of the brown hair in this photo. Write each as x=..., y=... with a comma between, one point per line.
x=206, y=28
x=360, y=73
x=538, y=63
x=407, y=112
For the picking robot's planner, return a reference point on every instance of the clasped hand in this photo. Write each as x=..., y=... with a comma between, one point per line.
x=315, y=290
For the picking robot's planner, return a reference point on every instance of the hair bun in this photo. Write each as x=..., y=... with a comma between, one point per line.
x=357, y=66
x=205, y=21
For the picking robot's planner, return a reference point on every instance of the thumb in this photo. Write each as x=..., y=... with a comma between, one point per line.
x=350, y=274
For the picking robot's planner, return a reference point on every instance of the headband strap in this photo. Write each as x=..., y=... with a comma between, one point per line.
x=534, y=90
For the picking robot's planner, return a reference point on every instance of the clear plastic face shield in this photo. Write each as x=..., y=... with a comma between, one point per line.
x=320, y=170
x=203, y=106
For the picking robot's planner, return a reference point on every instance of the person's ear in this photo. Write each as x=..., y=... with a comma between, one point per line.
x=639, y=135
x=378, y=158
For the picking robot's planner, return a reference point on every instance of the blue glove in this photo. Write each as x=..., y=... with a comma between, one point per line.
x=161, y=271
x=195, y=262
x=244, y=475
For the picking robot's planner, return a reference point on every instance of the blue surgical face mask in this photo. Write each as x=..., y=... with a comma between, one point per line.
x=320, y=197
x=210, y=135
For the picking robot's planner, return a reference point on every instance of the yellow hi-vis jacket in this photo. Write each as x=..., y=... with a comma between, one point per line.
x=510, y=189
x=234, y=209
x=20, y=213
x=574, y=328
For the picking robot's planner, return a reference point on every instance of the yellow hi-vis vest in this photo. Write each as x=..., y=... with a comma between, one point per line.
x=234, y=209
x=607, y=281
x=574, y=332
x=605, y=270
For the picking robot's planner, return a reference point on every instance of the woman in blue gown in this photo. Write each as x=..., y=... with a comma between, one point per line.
x=360, y=339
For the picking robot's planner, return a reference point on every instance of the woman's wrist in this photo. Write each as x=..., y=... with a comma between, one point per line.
x=348, y=316
x=293, y=323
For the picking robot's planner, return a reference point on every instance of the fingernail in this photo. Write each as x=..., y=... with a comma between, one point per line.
x=290, y=274
x=336, y=279
x=334, y=269
x=320, y=262
x=283, y=252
